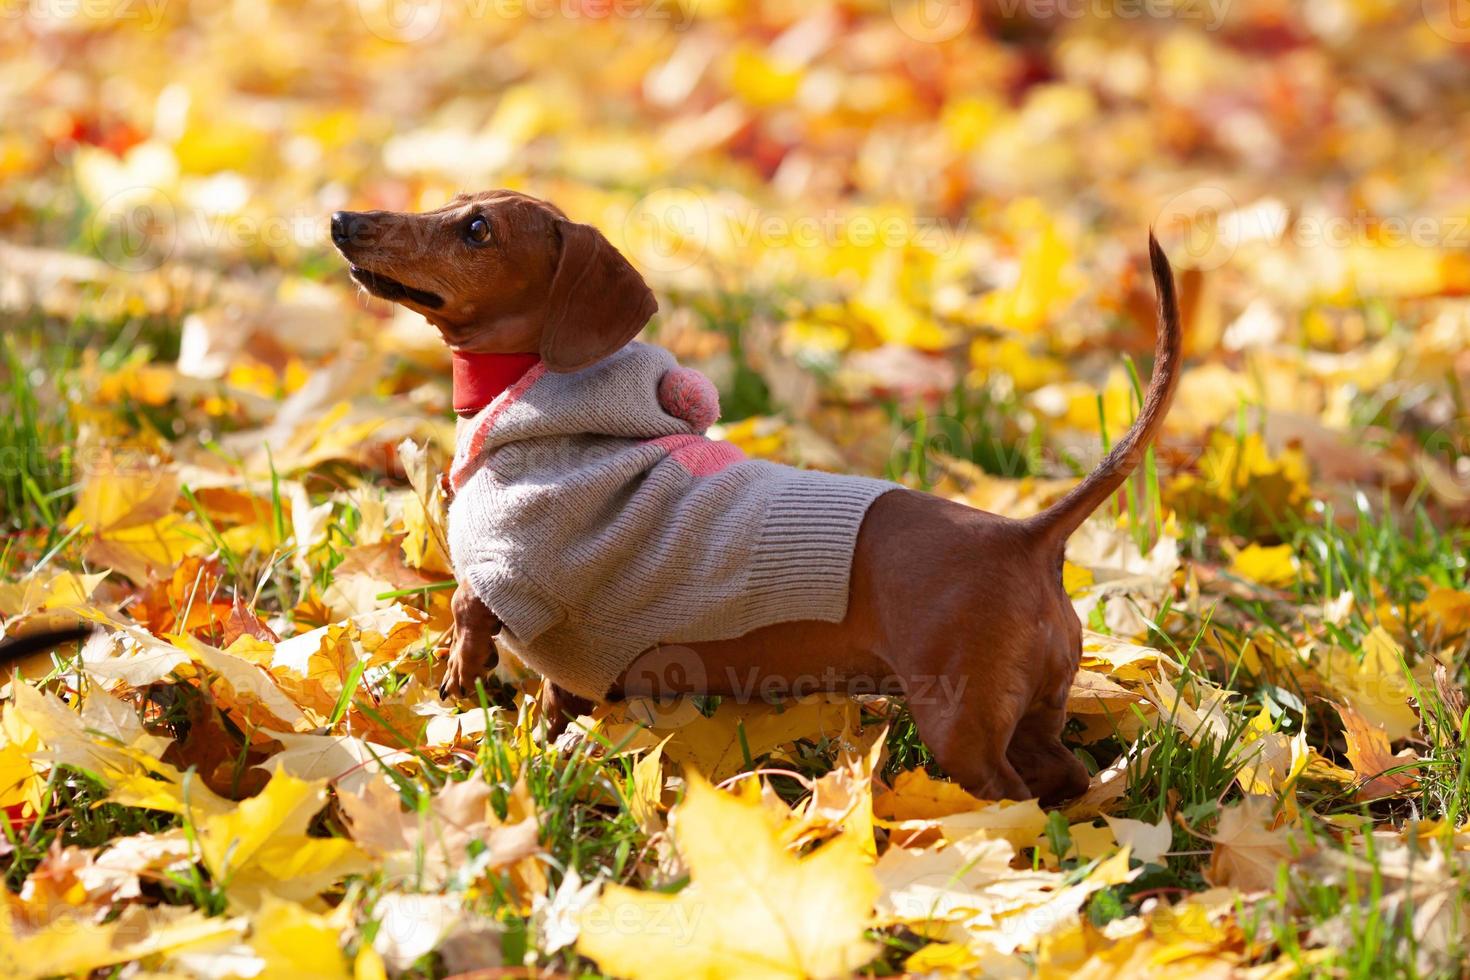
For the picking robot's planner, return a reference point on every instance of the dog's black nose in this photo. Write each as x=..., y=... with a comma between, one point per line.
x=342, y=226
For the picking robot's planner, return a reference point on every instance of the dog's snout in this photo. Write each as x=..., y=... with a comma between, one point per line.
x=346, y=225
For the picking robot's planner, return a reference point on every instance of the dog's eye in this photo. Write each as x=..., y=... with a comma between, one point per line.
x=478, y=231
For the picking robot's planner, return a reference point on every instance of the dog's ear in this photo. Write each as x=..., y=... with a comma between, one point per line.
x=598, y=301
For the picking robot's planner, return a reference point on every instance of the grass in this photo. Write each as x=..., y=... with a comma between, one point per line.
x=975, y=425
x=36, y=435
x=1371, y=937
x=75, y=813
x=41, y=359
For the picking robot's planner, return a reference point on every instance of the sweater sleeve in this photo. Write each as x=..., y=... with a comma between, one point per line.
x=523, y=607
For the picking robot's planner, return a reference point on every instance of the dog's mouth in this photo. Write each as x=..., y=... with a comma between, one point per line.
x=386, y=287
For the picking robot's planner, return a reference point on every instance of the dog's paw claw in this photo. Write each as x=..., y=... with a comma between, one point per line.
x=459, y=679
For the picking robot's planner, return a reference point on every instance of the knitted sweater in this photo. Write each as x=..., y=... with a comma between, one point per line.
x=596, y=524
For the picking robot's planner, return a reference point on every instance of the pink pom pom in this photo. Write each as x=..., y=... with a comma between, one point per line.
x=686, y=394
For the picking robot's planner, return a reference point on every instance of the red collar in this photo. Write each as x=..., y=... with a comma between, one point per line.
x=479, y=378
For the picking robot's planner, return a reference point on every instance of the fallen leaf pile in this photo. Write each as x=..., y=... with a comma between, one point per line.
x=904, y=239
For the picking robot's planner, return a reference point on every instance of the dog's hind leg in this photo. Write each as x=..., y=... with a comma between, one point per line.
x=560, y=708
x=1049, y=768
x=969, y=730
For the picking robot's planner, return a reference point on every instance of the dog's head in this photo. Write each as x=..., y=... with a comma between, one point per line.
x=503, y=273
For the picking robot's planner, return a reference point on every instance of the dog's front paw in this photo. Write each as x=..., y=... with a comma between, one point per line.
x=471, y=658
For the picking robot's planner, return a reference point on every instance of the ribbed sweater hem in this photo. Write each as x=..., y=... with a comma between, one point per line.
x=802, y=567
x=516, y=601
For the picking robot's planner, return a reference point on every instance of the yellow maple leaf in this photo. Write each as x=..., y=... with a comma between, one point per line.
x=916, y=795
x=1238, y=476
x=1375, y=685
x=105, y=739
x=38, y=595
x=752, y=909
x=311, y=667
x=1017, y=822
x=646, y=789
x=1046, y=280
x=762, y=80
x=1270, y=761
x=1075, y=578
x=294, y=941
x=212, y=143
x=1393, y=269
x=261, y=847
x=138, y=381
x=426, y=543
x=842, y=800
x=1249, y=847
x=1148, y=842
x=73, y=945
x=1089, y=842
x=896, y=320
x=127, y=514
x=1097, y=694
x=717, y=745
x=944, y=958
x=1079, y=406
x=1448, y=610
x=1274, y=566
x=20, y=740
x=1185, y=930
x=168, y=794
x=759, y=437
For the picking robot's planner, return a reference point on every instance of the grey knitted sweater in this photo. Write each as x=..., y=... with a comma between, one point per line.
x=596, y=521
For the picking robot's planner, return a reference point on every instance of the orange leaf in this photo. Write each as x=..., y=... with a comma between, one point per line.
x=1369, y=752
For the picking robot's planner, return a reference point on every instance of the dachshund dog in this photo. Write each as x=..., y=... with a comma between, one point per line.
x=941, y=597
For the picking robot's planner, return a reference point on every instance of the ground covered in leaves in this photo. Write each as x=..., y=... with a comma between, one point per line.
x=904, y=240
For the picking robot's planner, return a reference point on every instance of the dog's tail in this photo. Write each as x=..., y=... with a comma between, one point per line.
x=1054, y=524
x=16, y=647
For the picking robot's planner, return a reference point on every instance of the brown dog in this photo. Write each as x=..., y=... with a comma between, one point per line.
x=961, y=609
